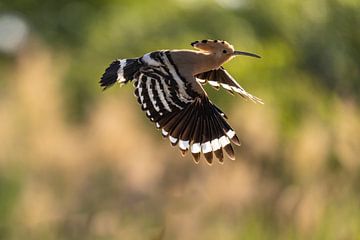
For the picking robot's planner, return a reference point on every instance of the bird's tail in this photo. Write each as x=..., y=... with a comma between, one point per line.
x=121, y=70
x=201, y=128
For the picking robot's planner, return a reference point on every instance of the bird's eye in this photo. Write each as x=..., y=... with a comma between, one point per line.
x=224, y=51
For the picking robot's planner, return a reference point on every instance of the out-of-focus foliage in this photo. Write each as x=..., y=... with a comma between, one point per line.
x=78, y=163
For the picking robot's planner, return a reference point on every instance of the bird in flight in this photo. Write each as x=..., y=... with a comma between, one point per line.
x=168, y=86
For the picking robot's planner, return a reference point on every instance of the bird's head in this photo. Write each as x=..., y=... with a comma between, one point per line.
x=221, y=50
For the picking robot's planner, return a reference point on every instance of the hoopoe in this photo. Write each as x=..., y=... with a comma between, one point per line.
x=168, y=86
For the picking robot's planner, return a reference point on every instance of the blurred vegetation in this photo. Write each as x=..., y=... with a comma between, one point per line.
x=79, y=163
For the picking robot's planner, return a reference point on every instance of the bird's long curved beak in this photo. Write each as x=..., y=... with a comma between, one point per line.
x=246, y=54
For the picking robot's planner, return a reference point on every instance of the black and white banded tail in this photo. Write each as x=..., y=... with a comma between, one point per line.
x=201, y=128
x=122, y=71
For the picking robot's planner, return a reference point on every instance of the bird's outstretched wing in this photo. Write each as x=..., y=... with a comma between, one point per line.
x=220, y=77
x=184, y=116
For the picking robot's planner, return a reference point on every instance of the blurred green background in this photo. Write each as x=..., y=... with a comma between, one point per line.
x=79, y=163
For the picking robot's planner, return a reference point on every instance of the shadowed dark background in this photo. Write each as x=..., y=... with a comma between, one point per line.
x=79, y=163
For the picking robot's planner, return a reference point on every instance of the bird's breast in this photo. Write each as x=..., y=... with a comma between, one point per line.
x=194, y=62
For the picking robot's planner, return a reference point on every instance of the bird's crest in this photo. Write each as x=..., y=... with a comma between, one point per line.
x=213, y=46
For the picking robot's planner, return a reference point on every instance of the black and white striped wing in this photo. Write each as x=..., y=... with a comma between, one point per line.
x=192, y=122
x=220, y=77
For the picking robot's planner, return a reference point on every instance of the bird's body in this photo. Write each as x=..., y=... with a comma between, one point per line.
x=167, y=85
